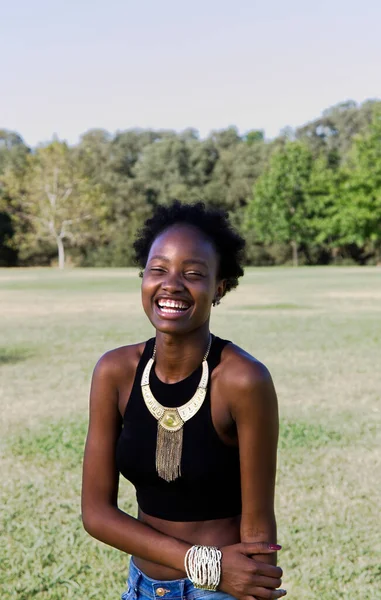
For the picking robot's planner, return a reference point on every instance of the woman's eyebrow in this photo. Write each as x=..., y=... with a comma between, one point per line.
x=187, y=261
x=192, y=261
x=160, y=257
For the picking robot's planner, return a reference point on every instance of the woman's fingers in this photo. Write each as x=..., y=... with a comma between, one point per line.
x=266, y=594
x=267, y=582
x=259, y=548
x=261, y=568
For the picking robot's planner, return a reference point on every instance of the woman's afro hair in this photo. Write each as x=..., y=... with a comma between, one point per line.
x=214, y=223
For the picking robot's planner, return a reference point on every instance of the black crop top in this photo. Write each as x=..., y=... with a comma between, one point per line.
x=210, y=485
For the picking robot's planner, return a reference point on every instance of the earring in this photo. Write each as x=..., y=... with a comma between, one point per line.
x=216, y=301
x=141, y=273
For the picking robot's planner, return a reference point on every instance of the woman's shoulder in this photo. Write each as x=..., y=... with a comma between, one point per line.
x=120, y=362
x=246, y=384
x=241, y=370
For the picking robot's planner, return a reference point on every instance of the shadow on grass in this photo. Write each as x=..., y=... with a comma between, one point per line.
x=11, y=355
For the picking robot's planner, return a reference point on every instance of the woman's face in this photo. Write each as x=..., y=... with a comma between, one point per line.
x=180, y=280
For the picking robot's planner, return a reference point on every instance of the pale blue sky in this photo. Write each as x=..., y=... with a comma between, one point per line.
x=68, y=66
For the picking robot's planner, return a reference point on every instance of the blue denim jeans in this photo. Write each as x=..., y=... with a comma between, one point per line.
x=141, y=587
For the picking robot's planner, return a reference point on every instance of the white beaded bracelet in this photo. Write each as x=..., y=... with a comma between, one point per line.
x=203, y=566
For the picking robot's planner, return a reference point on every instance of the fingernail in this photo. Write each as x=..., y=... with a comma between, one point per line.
x=284, y=592
x=275, y=547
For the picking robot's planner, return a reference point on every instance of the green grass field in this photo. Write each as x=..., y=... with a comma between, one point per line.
x=319, y=332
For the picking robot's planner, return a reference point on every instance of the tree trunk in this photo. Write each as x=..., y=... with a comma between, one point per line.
x=295, y=259
x=61, y=253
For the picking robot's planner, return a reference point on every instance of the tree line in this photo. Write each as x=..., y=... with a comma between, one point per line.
x=310, y=196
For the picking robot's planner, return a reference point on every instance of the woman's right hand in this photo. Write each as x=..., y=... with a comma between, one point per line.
x=246, y=578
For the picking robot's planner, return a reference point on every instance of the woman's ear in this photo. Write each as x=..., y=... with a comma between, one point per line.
x=220, y=292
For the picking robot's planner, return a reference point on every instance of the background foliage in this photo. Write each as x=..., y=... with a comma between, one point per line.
x=310, y=196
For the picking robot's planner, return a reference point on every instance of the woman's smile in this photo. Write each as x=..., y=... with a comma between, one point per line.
x=171, y=307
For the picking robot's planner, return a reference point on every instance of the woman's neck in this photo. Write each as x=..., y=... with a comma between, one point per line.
x=177, y=356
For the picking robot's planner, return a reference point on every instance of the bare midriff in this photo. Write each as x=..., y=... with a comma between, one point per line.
x=216, y=532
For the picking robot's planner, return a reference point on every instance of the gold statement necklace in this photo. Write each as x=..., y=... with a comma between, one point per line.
x=170, y=421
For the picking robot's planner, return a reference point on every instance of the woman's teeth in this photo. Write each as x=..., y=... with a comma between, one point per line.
x=172, y=306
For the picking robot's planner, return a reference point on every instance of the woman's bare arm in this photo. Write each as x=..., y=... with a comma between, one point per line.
x=255, y=411
x=100, y=513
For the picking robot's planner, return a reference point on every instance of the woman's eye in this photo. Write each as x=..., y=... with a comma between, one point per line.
x=157, y=270
x=194, y=274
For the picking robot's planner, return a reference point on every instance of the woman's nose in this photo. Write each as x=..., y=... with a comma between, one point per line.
x=173, y=282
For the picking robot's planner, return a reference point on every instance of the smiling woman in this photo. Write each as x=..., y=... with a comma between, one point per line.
x=191, y=420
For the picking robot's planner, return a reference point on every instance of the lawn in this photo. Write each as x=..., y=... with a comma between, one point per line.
x=319, y=332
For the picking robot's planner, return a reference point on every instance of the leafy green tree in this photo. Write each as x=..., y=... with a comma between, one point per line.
x=226, y=138
x=334, y=131
x=13, y=157
x=54, y=203
x=254, y=136
x=109, y=163
x=278, y=210
x=164, y=169
x=13, y=151
x=321, y=194
x=356, y=214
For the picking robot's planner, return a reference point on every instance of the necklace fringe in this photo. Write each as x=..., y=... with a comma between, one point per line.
x=169, y=446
